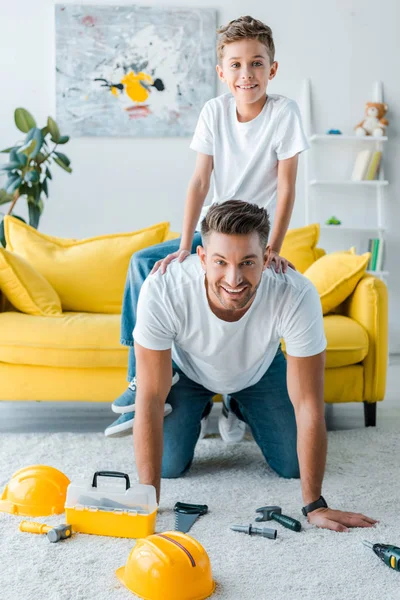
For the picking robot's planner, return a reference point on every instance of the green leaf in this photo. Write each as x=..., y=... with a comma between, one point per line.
x=40, y=158
x=5, y=198
x=24, y=190
x=32, y=176
x=53, y=128
x=27, y=148
x=62, y=165
x=35, y=190
x=29, y=135
x=48, y=173
x=45, y=131
x=34, y=214
x=15, y=157
x=45, y=187
x=7, y=149
x=38, y=137
x=63, y=139
x=24, y=120
x=11, y=166
x=63, y=157
x=13, y=185
x=2, y=236
x=22, y=159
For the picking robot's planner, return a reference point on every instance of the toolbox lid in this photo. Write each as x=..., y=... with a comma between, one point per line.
x=101, y=494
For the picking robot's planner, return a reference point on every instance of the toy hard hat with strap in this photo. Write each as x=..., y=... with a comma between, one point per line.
x=35, y=491
x=168, y=566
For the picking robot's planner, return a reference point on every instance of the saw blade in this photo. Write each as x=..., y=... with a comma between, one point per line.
x=186, y=515
x=183, y=522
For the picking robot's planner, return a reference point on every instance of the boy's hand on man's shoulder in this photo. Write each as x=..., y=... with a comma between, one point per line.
x=274, y=260
x=163, y=264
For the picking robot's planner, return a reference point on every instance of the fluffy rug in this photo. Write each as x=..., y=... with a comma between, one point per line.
x=362, y=475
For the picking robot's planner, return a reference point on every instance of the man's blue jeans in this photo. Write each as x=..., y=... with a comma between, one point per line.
x=140, y=266
x=265, y=407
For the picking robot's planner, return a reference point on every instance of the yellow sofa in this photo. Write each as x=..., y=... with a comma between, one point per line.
x=76, y=355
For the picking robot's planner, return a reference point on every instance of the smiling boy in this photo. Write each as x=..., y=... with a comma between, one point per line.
x=247, y=145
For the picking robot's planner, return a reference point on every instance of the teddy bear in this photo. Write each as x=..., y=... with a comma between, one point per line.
x=374, y=124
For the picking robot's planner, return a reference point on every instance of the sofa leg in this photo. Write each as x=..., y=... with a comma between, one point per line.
x=370, y=414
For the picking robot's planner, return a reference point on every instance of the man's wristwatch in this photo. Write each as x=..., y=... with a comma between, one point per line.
x=320, y=503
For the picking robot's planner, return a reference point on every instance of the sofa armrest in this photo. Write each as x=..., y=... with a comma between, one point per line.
x=368, y=305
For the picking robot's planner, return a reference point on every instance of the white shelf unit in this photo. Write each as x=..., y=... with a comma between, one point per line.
x=314, y=184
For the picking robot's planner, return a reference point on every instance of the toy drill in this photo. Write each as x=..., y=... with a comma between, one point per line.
x=389, y=554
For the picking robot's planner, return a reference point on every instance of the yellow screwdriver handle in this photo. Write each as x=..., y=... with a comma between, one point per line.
x=32, y=527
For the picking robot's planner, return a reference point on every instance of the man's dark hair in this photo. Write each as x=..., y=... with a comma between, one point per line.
x=236, y=217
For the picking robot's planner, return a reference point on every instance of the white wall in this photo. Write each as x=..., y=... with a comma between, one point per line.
x=121, y=184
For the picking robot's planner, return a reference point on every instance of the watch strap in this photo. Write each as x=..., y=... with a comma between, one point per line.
x=320, y=503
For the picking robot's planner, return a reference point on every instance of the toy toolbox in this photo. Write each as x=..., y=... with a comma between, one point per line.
x=99, y=508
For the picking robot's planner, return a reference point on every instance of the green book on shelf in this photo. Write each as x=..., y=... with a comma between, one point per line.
x=370, y=249
x=379, y=260
x=373, y=167
x=361, y=164
x=375, y=255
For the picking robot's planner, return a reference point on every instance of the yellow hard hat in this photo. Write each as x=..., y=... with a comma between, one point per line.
x=35, y=491
x=168, y=566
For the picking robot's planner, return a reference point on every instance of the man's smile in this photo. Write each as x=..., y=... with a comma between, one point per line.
x=234, y=291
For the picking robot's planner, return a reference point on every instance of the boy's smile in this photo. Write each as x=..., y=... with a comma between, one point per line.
x=246, y=69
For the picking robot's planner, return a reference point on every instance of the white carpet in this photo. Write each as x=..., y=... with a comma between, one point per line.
x=362, y=475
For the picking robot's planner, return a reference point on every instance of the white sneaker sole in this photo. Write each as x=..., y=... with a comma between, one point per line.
x=232, y=432
x=204, y=427
x=127, y=428
x=122, y=410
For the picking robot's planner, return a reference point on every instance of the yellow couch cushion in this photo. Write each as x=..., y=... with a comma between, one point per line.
x=336, y=275
x=75, y=340
x=172, y=235
x=89, y=275
x=26, y=289
x=347, y=341
x=299, y=246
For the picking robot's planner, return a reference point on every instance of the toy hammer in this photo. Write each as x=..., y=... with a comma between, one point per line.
x=55, y=534
x=275, y=513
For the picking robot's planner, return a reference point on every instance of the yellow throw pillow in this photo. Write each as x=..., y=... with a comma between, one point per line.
x=89, y=275
x=336, y=275
x=26, y=289
x=172, y=235
x=299, y=246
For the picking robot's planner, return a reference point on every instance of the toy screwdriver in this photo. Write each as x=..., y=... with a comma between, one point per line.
x=389, y=554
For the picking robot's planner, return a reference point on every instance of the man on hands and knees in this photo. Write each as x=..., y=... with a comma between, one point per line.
x=217, y=320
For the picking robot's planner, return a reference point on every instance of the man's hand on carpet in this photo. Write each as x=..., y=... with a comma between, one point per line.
x=338, y=520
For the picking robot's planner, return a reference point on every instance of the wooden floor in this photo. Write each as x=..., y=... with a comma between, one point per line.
x=24, y=417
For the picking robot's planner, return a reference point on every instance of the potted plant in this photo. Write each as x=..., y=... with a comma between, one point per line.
x=28, y=169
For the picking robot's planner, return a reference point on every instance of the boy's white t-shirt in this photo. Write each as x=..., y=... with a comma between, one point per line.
x=246, y=155
x=224, y=357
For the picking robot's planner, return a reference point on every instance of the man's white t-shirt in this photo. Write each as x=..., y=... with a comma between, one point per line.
x=246, y=155
x=225, y=357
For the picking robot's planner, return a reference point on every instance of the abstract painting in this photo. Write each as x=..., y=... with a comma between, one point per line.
x=132, y=70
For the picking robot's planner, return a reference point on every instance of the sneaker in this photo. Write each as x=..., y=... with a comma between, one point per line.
x=204, y=427
x=123, y=425
x=231, y=428
x=205, y=421
x=126, y=402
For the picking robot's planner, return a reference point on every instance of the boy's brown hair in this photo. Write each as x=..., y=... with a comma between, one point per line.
x=235, y=217
x=245, y=28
